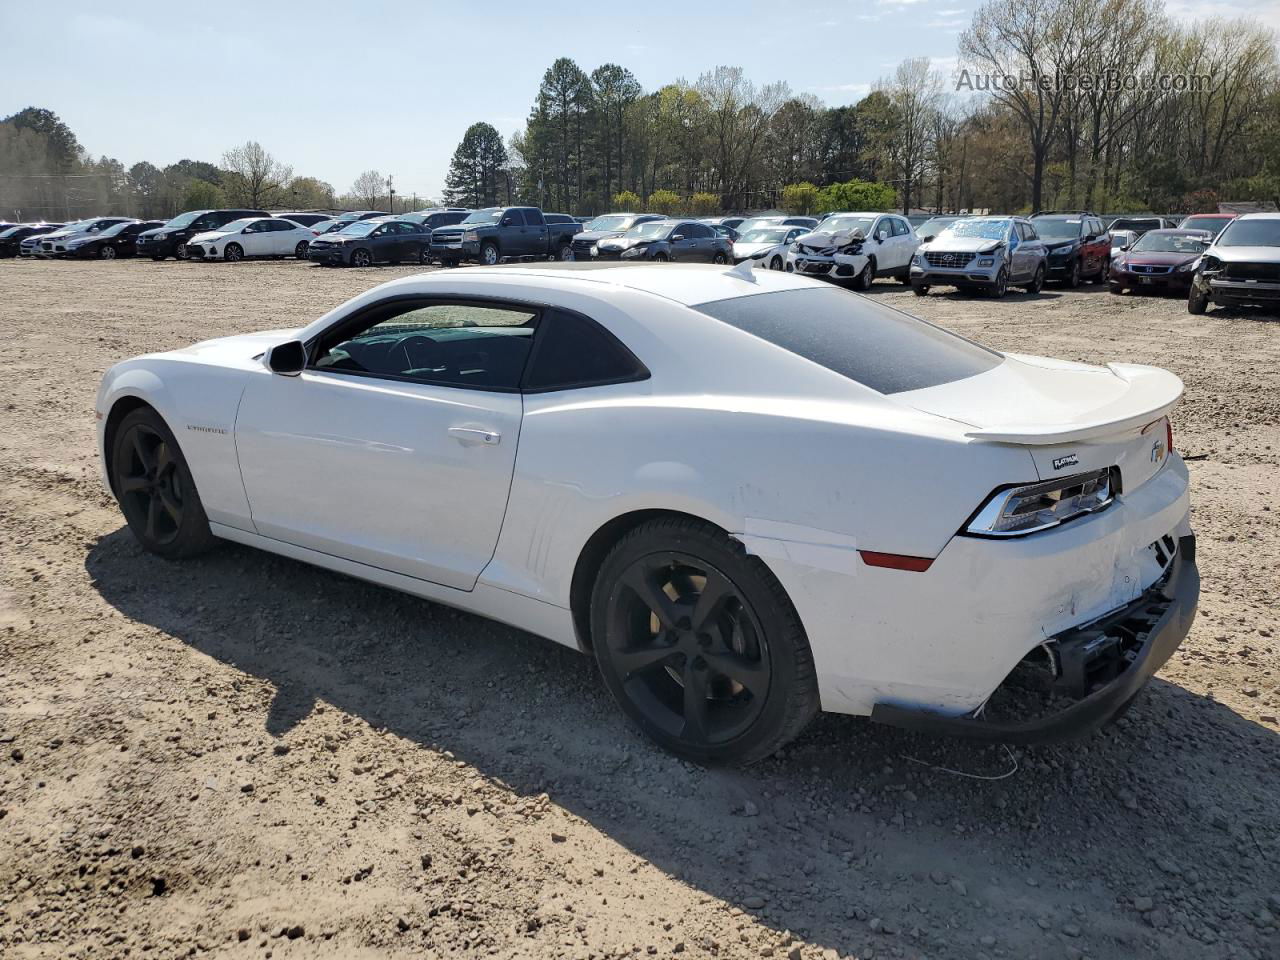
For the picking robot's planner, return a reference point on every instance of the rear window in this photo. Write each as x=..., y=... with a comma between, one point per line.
x=888, y=351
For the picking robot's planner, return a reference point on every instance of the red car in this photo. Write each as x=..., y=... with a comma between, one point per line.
x=1213, y=222
x=1160, y=261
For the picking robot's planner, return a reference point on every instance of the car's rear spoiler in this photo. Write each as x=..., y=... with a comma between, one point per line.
x=1152, y=393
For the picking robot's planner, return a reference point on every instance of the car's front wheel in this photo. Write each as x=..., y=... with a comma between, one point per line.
x=1073, y=277
x=700, y=645
x=489, y=254
x=361, y=258
x=1197, y=302
x=153, y=483
x=920, y=289
x=180, y=252
x=106, y=252
x=1001, y=286
x=233, y=252
x=866, y=277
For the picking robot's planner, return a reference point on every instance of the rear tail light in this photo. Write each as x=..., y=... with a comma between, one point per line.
x=1017, y=511
x=1168, y=436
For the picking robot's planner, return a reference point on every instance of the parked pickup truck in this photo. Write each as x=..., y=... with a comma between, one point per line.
x=503, y=233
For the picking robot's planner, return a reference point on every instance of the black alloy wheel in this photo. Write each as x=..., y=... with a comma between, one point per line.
x=866, y=277
x=154, y=486
x=699, y=644
x=1037, y=283
x=233, y=252
x=300, y=251
x=1073, y=278
x=720, y=258
x=361, y=258
x=424, y=256
x=1001, y=286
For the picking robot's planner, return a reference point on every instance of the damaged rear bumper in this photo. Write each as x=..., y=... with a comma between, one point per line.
x=1104, y=663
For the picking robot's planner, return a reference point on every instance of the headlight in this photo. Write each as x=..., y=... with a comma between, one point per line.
x=1189, y=265
x=1038, y=506
x=1211, y=264
x=986, y=261
x=595, y=250
x=632, y=251
x=470, y=236
x=852, y=250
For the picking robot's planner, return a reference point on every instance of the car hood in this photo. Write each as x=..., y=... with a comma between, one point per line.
x=821, y=239
x=1246, y=254
x=1071, y=416
x=235, y=351
x=625, y=243
x=1052, y=245
x=960, y=245
x=751, y=249
x=209, y=236
x=1158, y=258
x=334, y=238
x=597, y=235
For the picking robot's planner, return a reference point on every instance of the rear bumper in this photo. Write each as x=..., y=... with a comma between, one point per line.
x=1145, y=633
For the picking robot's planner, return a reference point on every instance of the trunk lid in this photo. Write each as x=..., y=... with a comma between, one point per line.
x=1071, y=417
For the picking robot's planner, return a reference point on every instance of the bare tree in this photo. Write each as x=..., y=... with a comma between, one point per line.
x=367, y=188
x=914, y=93
x=254, y=177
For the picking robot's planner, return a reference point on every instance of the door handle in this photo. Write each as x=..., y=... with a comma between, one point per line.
x=474, y=435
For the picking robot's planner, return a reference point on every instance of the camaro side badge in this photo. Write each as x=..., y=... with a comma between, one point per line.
x=1068, y=461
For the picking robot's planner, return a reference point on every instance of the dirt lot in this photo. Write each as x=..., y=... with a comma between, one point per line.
x=242, y=755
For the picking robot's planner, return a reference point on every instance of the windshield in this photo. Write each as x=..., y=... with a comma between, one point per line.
x=483, y=216
x=845, y=225
x=1050, y=228
x=10, y=231
x=1120, y=238
x=603, y=224
x=1212, y=224
x=879, y=347
x=235, y=226
x=934, y=225
x=76, y=225
x=767, y=235
x=653, y=230
x=1156, y=242
x=113, y=230
x=360, y=229
x=1251, y=233
x=185, y=219
x=986, y=229
x=755, y=223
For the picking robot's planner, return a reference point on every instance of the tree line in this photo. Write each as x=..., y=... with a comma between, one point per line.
x=1106, y=104
x=45, y=173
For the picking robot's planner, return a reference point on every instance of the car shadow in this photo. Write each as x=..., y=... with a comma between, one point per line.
x=944, y=842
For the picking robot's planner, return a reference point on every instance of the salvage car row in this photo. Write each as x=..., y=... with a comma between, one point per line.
x=1208, y=258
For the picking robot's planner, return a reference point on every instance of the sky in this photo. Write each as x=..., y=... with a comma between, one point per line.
x=338, y=88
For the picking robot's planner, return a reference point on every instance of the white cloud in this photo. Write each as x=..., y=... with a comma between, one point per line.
x=859, y=90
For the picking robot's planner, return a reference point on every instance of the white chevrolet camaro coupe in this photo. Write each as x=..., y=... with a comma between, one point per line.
x=252, y=237
x=749, y=495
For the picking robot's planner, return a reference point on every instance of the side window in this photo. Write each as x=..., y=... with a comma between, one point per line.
x=533, y=217
x=572, y=351
x=513, y=218
x=479, y=346
x=255, y=227
x=1029, y=232
x=900, y=227
x=281, y=226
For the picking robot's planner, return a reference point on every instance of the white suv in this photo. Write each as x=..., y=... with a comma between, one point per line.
x=856, y=246
x=1241, y=266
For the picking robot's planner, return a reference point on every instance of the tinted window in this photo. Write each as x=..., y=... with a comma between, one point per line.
x=900, y=228
x=533, y=217
x=573, y=351
x=513, y=218
x=1251, y=233
x=873, y=345
x=472, y=345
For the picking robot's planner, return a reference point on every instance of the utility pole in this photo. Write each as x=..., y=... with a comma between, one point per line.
x=391, y=195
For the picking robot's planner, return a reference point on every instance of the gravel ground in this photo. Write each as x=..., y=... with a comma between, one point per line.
x=246, y=756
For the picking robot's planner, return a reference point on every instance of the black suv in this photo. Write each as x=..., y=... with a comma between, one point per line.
x=1078, y=243
x=171, y=239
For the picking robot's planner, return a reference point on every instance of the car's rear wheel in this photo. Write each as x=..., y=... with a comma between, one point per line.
x=361, y=258
x=153, y=483
x=1104, y=271
x=1037, y=282
x=424, y=256
x=720, y=258
x=699, y=644
x=300, y=251
x=565, y=252
x=233, y=252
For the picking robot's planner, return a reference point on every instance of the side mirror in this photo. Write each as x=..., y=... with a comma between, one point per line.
x=678, y=236
x=1124, y=246
x=287, y=359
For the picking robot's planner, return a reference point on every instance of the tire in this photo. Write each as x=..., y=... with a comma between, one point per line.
x=361, y=258
x=565, y=253
x=159, y=259
x=719, y=258
x=1104, y=272
x=489, y=255
x=424, y=256
x=920, y=289
x=233, y=253
x=449, y=264
x=775, y=263
x=751, y=661
x=905, y=276
x=1115, y=288
x=155, y=489
x=867, y=277
x=180, y=252
x=1037, y=282
x=1001, y=286
x=1073, y=278
x=660, y=258
x=1197, y=302
x=106, y=252
x=300, y=251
